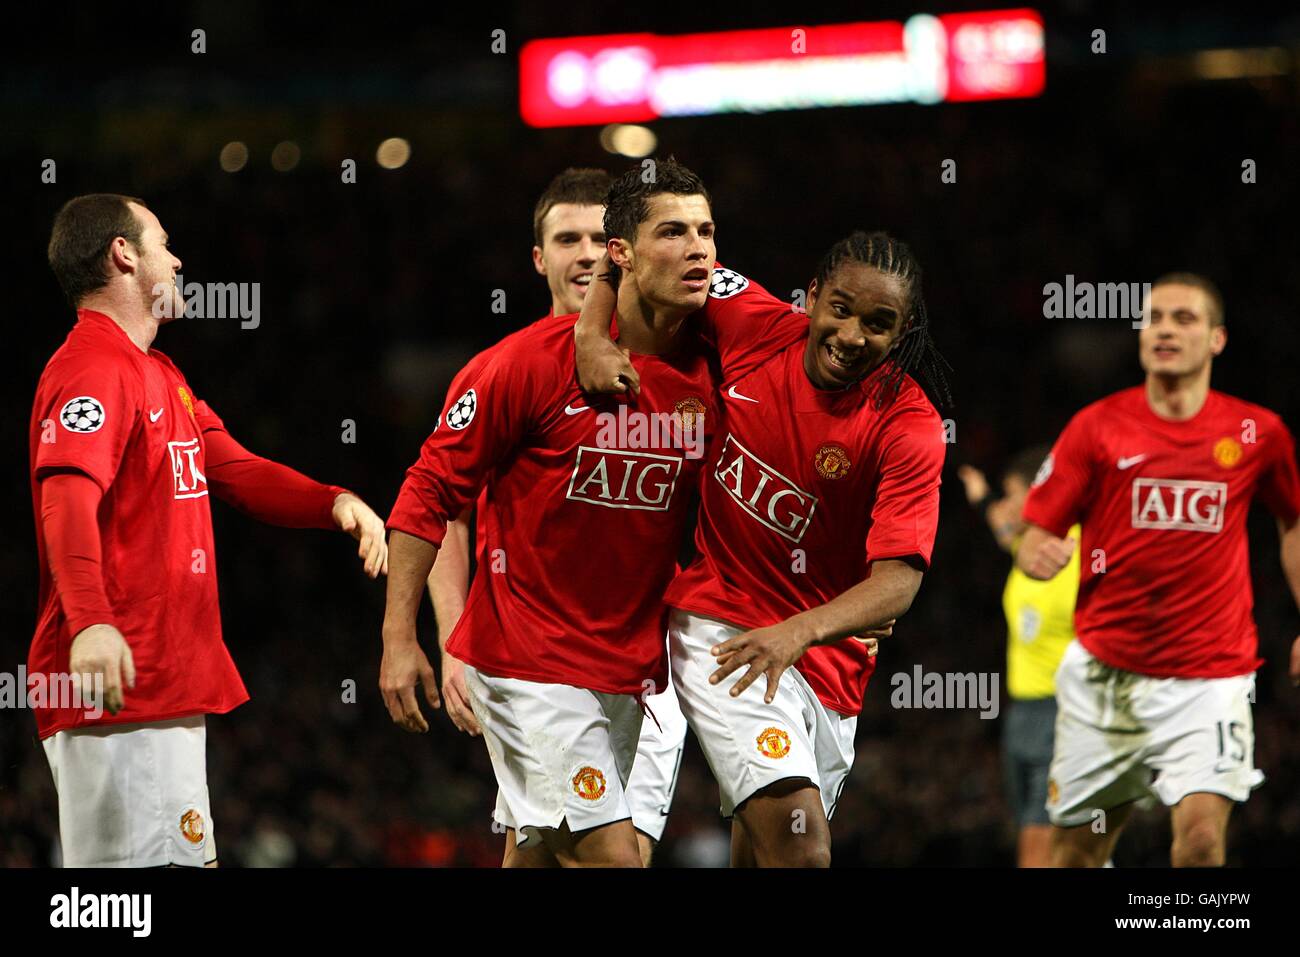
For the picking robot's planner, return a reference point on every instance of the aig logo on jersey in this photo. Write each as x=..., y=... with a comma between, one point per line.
x=616, y=478
x=768, y=496
x=1185, y=506
x=189, y=481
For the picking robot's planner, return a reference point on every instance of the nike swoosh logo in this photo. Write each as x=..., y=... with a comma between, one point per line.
x=155, y=416
x=1129, y=462
x=570, y=410
x=736, y=395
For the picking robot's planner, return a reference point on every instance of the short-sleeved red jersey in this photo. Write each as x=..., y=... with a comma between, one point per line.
x=128, y=420
x=804, y=488
x=587, y=513
x=1165, y=587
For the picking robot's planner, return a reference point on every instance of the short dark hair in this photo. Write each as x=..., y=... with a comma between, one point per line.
x=83, y=230
x=1025, y=465
x=1196, y=281
x=626, y=206
x=583, y=187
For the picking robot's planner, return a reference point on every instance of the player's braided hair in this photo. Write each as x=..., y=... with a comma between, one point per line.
x=915, y=352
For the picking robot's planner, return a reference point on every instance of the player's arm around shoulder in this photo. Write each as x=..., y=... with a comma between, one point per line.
x=601, y=366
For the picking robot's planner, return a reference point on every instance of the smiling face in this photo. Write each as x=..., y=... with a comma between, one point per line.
x=853, y=323
x=573, y=240
x=671, y=259
x=1180, y=339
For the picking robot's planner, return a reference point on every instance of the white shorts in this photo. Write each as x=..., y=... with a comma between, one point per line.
x=133, y=795
x=658, y=759
x=1123, y=737
x=560, y=753
x=653, y=781
x=750, y=744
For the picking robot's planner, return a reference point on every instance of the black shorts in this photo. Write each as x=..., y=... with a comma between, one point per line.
x=1027, y=736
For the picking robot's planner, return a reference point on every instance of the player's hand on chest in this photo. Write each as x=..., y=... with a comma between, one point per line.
x=633, y=453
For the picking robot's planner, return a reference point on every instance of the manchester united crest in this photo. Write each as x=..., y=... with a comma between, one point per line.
x=689, y=412
x=1227, y=452
x=186, y=398
x=1053, y=791
x=832, y=462
x=589, y=783
x=773, y=743
x=192, y=826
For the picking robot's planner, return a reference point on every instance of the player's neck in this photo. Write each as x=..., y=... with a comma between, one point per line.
x=139, y=326
x=644, y=329
x=1178, y=398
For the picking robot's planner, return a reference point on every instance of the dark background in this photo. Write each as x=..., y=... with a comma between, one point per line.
x=374, y=294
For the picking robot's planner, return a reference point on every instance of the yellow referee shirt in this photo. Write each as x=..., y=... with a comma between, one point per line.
x=1040, y=623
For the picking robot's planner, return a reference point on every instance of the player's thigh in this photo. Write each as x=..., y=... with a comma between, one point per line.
x=134, y=795
x=742, y=849
x=607, y=845
x=536, y=855
x=1091, y=844
x=561, y=755
x=786, y=825
x=1034, y=846
x=1099, y=748
x=749, y=744
x=1200, y=827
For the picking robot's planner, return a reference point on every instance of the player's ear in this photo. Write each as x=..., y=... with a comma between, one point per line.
x=1218, y=340
x=538, y=262
x=620, y=251
x=122, y=255
x=811, y=299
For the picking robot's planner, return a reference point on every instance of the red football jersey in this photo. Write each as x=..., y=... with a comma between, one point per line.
x=483, y=516
x=586, y=511
x=804, y=487
x=128, y=420
x=1165, y=589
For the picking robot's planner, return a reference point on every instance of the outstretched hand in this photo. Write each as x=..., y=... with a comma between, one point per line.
x=360, y=521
